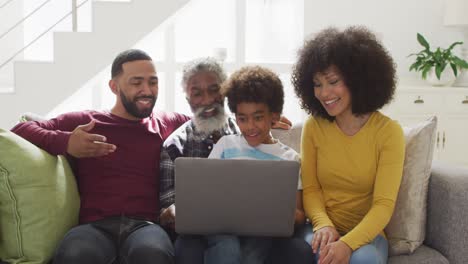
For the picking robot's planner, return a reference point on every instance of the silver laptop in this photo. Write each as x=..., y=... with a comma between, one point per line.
x=240, y=197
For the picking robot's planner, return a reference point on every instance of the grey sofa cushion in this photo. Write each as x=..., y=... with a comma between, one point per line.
x=423, y=254
x=291, y=137
x=447, y=212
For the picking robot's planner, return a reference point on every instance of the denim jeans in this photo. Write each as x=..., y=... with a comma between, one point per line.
x=255, y=250
x=376, y=252
x=222, y=249
x=215, y=249
x=115, y=240
x=292, y=250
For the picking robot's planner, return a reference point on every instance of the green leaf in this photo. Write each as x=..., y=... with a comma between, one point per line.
x=423, y=41
x=415, y=66
x=453, y=45
x=414, y=54
x=454, y=69
x=438, y=71
x=438, y=55
x=425, y=70
x=460, y=63
x=439, y=59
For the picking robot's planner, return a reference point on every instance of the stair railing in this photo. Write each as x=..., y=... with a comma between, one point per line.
x=73, y=13
x=5, y=3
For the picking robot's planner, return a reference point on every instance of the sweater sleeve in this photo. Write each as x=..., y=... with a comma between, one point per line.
x=391, y=145
x=52, y=135
x=314, y=205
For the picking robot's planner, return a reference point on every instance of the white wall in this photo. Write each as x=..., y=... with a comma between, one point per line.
x=11, y=42
x=395, y=21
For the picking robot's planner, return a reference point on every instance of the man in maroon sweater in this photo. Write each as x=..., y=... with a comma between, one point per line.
x=115, y=156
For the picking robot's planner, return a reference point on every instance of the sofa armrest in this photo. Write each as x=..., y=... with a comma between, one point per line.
x=447, y=212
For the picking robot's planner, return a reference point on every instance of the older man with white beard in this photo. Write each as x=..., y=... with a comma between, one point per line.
x=201, y=82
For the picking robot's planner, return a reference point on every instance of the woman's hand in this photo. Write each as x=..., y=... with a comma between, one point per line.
x=323, y=237
x=335, y=253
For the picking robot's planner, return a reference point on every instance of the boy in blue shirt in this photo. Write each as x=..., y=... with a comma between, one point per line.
x=255, y=95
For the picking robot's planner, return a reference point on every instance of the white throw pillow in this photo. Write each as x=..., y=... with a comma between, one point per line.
x=406, y=230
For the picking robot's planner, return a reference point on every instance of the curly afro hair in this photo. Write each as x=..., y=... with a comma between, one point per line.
x=254, y=84
x=365, y=65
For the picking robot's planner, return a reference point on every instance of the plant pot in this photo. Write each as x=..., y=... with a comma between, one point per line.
x=447, y=78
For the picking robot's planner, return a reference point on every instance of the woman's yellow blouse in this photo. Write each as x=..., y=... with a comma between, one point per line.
x=351, y=182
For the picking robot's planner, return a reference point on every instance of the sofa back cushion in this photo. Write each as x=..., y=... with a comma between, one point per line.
x=406, y=230
x=291, y=137
x=39, y=200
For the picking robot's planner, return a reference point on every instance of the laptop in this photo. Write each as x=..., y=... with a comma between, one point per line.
x=239, y=197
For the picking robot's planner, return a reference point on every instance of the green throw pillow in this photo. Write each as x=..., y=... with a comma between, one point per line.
x=39, y=201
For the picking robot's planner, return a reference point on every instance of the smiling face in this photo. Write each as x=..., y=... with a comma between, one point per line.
x=205, y=100
x=332, y=92
x=203, y=94
x=255, y=121
x=136, y=89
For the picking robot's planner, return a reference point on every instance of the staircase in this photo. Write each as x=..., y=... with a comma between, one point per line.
x=79, y=56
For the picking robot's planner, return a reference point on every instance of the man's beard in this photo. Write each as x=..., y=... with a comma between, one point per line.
x=132, y=108
x=207, y=125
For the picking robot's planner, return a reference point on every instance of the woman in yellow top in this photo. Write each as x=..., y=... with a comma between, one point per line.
x=352, y=155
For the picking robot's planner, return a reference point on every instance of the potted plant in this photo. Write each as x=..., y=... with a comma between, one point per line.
x=433, y=65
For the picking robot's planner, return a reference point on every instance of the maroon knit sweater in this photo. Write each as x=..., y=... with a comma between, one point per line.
x=125, y=182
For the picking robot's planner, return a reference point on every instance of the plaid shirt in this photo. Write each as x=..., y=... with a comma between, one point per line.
x=186, y=142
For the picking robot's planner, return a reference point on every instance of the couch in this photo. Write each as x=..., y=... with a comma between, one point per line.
x=446, y=238
x=447, y=212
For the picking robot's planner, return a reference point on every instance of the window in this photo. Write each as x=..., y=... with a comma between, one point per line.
x=274, y=30
x=204, y=25
x=261, y=32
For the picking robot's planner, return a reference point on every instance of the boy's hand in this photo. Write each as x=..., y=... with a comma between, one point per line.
x=167, y=217
x=283, y=123
x=82, y=144
x=299, y=217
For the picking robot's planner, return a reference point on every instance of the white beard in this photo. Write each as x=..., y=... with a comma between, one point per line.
x=206, y=126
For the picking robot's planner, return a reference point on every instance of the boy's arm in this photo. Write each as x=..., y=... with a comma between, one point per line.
x=299, y=218
x=314, y=202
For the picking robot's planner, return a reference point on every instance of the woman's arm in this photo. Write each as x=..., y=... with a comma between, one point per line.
x=391, y=145
x=314, y=204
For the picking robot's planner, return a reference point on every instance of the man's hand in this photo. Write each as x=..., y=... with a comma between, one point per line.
x=323, y=237
x=82, y=144
x=283, y=123
x=167, y=217
x=335, y=253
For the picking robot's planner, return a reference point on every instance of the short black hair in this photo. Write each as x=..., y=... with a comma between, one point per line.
x=126, y=56
x=254, y=84
x=365, y=65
